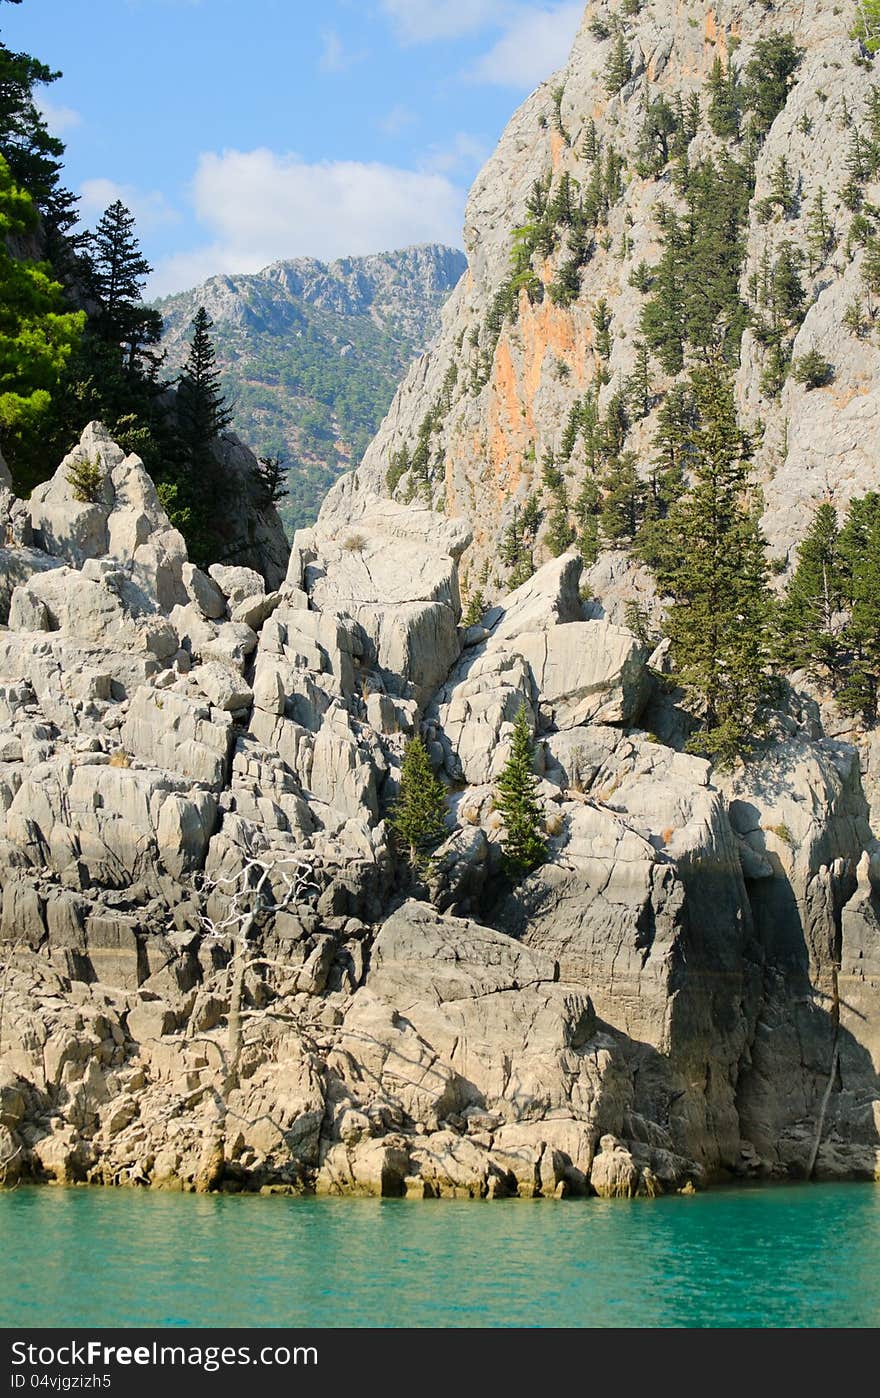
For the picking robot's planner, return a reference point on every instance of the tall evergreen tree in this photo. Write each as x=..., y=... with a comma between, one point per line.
x=715, y=571
x=618, y=69
x=117, y=273
x=32, y=153
x=418, y=815
x=724, y=100
x=523, y=843
x=201, y=402
x=860, y=550
x=810, y=617
x=38, y=334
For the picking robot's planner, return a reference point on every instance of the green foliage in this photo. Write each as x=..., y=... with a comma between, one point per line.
x=860, y=548
x=558, y=124
x=602, y=326
x=85, y=479
x=272, y=479
x=867, y=25
x=561, y=533
x=812, y=370
x=33, y=155
x=855, y=318
x=294, y=394
x=201, y=415
x=587, y=508
x=523, y=844
x=641, y=278
x=821, y=238
x=781, y=299
x=622, y=500
x=809, y=619
x=37, y=337
x=829, y=621
x=640, y=398
x=715, y=572
x=476, y=606
x=767, y=78
x=758, y=94
x=116, y=274
x=618, y=68
x=725, y=100
x=418, y=814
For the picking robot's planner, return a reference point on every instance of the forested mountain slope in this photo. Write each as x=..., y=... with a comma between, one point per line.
x=311, y=353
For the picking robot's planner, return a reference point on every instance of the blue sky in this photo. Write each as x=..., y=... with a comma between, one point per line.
x=243, y=131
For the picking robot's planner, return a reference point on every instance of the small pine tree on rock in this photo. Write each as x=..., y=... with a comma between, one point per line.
x=524, y=845
x=418, y=815
x=618, y=69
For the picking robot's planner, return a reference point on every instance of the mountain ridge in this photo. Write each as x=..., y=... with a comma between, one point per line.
x=311, y=352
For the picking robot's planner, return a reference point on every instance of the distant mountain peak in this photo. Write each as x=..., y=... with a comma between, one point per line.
x=311, y=352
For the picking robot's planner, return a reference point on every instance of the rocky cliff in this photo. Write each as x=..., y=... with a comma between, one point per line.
x=215, y=973
x=311, y=353
x=520, y=350
x=213, y=977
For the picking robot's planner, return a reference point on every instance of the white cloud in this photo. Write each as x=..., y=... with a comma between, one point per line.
x=465, y=154
x=259, y=207
x=335, y=57
x=419, y=21
x=58, y=119
x=150, y=208
x=535, y=43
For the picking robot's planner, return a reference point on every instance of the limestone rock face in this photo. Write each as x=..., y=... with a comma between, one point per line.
x=537, y=650
x=514, y=389
x=396, y=576
x=198, y=772
x=125, y=521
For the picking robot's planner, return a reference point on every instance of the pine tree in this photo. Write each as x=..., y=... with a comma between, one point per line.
x=860, y=551
x=271, y=474
x=622, y=501
x=586, y=509
x=418, y=814
x=663, y=315
x=560, y=531
x=117, y=273
x=33, y=154
x=724, y=101
x=201, y=403
x=516, y=800
x=781, y=187
x=602, y=326
x=715, y=571
x=37, y=338
x=767, y=77
x=618, y=69
x=810, y=617
x=820, y=233
x=638, y=385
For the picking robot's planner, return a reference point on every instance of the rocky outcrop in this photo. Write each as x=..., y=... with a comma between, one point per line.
x=215, y=972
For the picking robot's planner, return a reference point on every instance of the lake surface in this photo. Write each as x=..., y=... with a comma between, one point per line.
x=784, y=1256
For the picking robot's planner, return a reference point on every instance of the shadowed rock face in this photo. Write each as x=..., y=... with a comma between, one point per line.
x=204, y=918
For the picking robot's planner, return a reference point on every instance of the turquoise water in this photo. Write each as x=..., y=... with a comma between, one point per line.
x=785, y=1256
